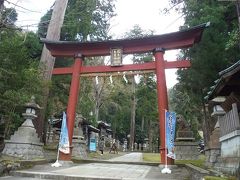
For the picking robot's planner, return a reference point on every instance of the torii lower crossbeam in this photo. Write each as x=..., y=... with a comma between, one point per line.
x=131, y=67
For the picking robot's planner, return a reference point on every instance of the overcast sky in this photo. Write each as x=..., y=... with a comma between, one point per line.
x=145, y=13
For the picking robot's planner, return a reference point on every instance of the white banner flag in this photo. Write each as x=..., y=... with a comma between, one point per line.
x=64, y=140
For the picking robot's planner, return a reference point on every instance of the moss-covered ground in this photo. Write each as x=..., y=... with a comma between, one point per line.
x=155, y=157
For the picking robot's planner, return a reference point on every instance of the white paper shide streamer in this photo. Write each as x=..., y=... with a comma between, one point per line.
x=96, y=79
x=125, y=79
x=111, y=80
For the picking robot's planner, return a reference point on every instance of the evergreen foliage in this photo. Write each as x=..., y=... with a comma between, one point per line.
x=89, y=20
x=19, y=76
x=216, y=51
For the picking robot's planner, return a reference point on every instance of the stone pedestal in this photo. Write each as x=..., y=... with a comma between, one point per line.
x=135, y=146
x=186, y=135
x=50, y=135
x=79, y=148
x=212, y=155
x=185, y=147
x=79, y=144
x=24, y=143
x=186, y=150
x=213, y=152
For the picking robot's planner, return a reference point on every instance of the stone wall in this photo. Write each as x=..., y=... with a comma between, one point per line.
x=229, y=162
x=228, y=165
x=7, y=166
x=230, y=144
x=196, y=172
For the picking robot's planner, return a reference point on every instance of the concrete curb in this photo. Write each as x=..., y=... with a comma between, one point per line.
x=49, y=175
x=25, y=163
x=196, y=172
x=199, y=173
x=79, y=161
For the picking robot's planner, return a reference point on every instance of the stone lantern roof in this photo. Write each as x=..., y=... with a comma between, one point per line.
x=108, y=130
x=32, y=104
x=103, y=124
x=93, y=129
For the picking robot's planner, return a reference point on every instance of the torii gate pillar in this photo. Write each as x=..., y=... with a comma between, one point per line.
x=72, y=103
x=162, y=100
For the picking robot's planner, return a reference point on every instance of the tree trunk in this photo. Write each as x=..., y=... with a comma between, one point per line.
x=206, y=125
x=96, y=112
x=1, y=11
x=98, y=88
x=7, y=128
x=238, y=12
x=150, y=137
x=47, y=61
x=143, y=123
x=133, y=115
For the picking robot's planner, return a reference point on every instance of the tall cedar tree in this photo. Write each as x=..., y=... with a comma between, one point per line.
x=85, y=20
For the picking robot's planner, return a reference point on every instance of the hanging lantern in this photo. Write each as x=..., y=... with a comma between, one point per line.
x=116, y=57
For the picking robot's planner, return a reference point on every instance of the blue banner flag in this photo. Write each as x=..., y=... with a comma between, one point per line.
x=170, y=133
x=64, y=140
x=93, y=145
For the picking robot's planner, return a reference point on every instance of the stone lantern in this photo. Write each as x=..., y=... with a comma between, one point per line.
x=218, y=111
x=31, y=108
x=25, y=142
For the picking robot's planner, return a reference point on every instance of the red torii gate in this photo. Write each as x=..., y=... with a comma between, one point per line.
x=156, y=44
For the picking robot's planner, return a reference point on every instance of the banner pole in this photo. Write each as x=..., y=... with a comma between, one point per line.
x=165, y=139
x=57, y=164
x=166, y=170
x=58, y=148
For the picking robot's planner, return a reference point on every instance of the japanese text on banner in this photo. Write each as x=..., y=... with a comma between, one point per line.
x=170, y=133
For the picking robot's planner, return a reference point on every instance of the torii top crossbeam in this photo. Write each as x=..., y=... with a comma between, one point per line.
x=176, y=40
x=156, y=44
